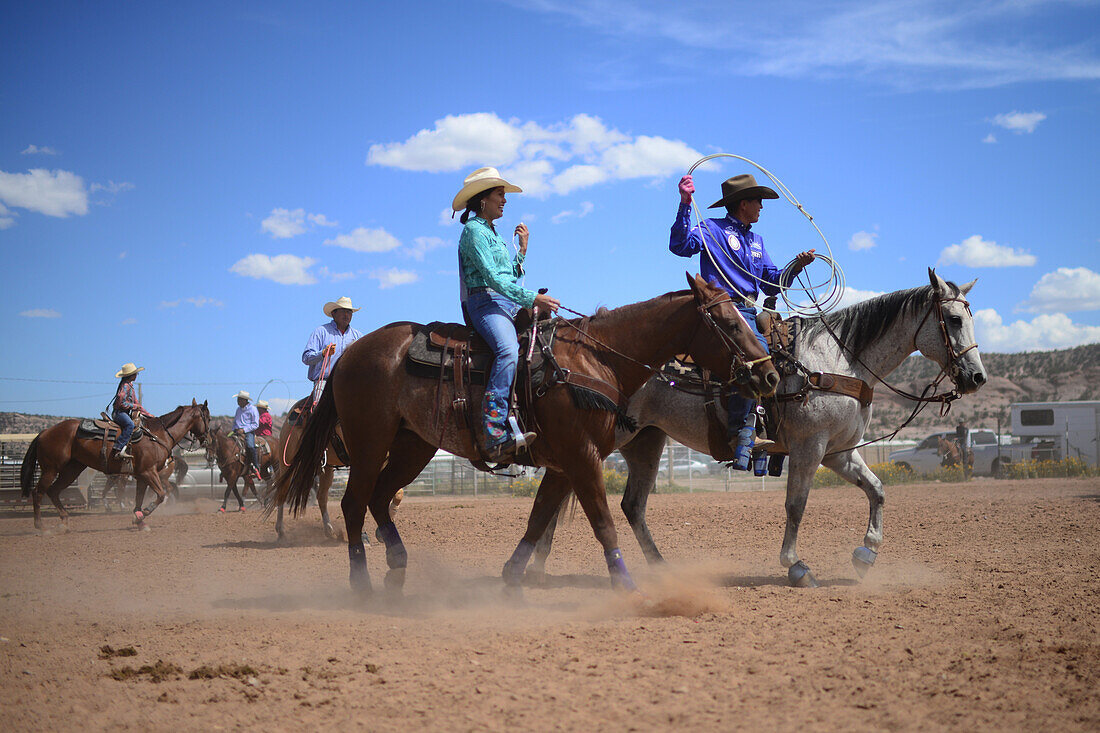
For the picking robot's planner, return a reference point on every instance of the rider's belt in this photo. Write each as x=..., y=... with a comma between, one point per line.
x=479, y=289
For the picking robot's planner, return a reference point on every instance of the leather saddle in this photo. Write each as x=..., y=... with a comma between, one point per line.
x=435, y=345
x=105, y=429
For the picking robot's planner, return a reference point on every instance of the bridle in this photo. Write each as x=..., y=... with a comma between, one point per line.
x=740, y=365
x=953, y=368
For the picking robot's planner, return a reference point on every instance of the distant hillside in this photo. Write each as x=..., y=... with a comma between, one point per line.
x=1040, y=376
x=15, y=422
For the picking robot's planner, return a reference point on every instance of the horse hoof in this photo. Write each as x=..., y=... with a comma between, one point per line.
x=862, y=560
x=139, y=517
x=800, y=576
x=360, y=584
x=514, y=594
x=329, y=531
x=145, y=527
x=536, y=578
x=395, y=580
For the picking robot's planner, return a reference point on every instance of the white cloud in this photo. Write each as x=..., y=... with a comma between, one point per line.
x=1065, y=289
x=40, y=313
x=279, y=405
x=393, y=277
x=1019, y=122
x=283, y=269
x=366, y=240
x=862, y=240
x=990, y=138
x=335, y=276
x=287, y=223
x=585, y=209
x=423, y=245
x=541, y=159
x=36, y=150
x=447, y=217
x=122, y=255
x=200, y=301
x=169, y=304
x=111, y=187
x=1045, y=332
x=7, y=217
x=456, y=141
x=977, y=252
x=852, y=296
x=53, y=193
x=128, y=322
x=917, y=44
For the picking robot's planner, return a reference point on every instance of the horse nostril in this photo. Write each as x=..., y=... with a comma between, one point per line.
x=979, y=378
x=772, y=378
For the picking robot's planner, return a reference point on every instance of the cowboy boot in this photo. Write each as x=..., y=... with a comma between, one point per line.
x=125, y=453
x=500, y=444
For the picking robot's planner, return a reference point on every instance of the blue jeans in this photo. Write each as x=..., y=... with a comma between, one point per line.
x=493, y=316
x=250, y=441
x=127, y=424
x=740, y=407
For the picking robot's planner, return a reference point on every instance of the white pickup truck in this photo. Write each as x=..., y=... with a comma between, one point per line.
x=989, y=457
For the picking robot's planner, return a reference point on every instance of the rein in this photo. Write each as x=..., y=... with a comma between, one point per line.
x=740, y=363
x=951, y=369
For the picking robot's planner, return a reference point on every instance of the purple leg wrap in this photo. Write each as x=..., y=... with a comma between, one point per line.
x=517, y=564
x=359, y=578
x=620, y=578
x=396, y=556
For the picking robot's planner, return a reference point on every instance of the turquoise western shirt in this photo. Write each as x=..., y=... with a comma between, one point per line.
x=484, y=262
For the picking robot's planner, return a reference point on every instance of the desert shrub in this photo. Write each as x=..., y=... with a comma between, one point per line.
x=1065, y=468
x=889, y=473
x=525, y=485
x=614, y=482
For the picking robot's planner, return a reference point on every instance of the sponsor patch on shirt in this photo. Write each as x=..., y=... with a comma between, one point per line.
x=735, y=243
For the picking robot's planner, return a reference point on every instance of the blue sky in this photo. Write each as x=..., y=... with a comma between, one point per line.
x=185, y=186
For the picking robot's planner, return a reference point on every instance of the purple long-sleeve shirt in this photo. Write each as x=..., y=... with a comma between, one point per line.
x=736, y=249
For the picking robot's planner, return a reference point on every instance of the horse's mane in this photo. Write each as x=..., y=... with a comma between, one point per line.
x=860, y=325
x=165, y=421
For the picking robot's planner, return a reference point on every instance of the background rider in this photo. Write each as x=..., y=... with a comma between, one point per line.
x=245, y=422
x=328, y=342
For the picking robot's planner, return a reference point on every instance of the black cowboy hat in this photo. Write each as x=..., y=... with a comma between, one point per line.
x=742, y=187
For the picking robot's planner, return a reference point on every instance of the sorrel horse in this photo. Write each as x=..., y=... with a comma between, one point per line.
x=392, y=428
x=61, y=456
x=290, y=436
x=879, y=334
x=115, y=483
x=228, y=454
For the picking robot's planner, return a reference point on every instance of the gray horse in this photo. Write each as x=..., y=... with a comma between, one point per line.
x=878, y=334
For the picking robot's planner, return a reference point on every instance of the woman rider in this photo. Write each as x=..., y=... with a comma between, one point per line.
x=123, y=406
x=492, y=296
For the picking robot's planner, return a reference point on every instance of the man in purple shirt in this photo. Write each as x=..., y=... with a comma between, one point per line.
x=733, y=258
x=328, y=342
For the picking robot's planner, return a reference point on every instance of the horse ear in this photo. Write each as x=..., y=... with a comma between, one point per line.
x=193, y=403
x=964, y=289
x=937, y=282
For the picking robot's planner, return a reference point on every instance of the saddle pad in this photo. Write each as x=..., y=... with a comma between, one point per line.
x=92, y=430
x=426, y=354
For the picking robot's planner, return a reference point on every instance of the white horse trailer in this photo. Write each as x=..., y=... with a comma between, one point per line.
x=1071, y=427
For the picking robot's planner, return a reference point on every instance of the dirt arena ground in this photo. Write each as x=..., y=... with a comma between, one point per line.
x=982, y=613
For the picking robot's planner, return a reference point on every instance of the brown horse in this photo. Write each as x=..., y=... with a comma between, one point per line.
x=116, y=483
x=62, y=455
x=391, y=430
x=290, y=436
x=231, y=460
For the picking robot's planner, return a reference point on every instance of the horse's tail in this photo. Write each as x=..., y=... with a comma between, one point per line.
x=292, y=486
x=26, y=471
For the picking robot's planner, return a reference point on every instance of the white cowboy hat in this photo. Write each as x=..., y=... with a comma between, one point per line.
x=242, y=395
x=262, y=403
x=128, y=369
x=342, y=302
x=481, y=180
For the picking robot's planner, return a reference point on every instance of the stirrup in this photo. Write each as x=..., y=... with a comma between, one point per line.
x=125, y=452
x=767, y=445
x=505, y=451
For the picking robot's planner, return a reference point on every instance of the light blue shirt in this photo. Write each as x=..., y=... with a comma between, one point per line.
x=247, y=419
x=318, y=340
x=485, y=262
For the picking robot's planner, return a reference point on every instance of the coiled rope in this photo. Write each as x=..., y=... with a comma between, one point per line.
x=835, y=282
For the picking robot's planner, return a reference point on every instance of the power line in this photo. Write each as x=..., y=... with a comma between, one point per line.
x=151, y=384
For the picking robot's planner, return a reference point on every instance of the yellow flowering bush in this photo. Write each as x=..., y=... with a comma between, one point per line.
x=1064, y=468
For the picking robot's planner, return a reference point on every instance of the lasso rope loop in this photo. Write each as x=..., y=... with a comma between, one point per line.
x=836, y=278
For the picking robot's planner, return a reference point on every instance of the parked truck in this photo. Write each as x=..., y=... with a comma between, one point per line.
x=1059, y=430
x=992, y=452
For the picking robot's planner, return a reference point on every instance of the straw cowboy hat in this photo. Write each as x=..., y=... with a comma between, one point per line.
x=481, y=180
x=128, y=369
x=242, y=395
x=742, y=187
x=343, y=302
x=262, y=403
